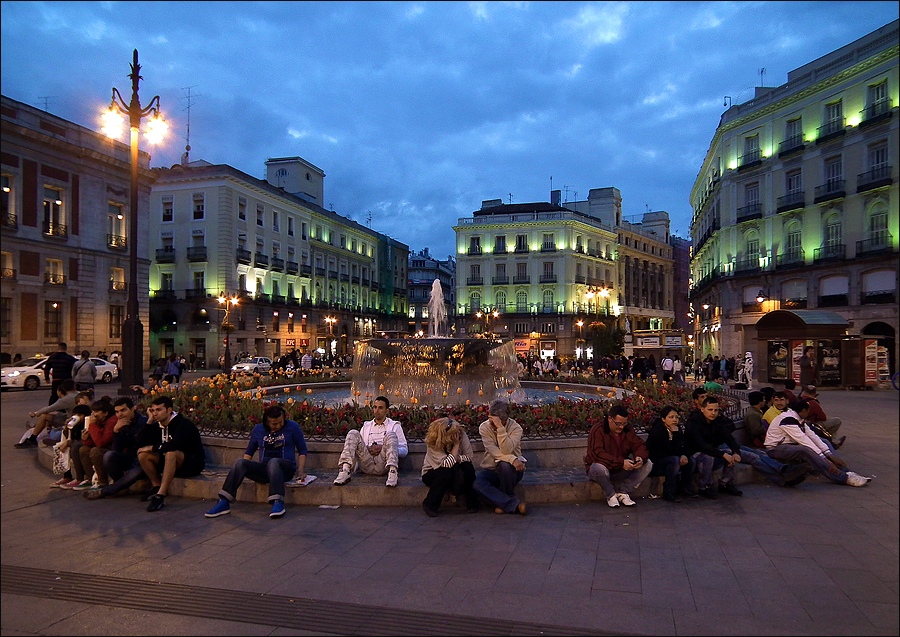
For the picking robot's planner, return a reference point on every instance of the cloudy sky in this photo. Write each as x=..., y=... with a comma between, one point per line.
x=417, y=111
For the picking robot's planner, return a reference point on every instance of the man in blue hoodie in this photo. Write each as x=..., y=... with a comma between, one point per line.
x=282, y=454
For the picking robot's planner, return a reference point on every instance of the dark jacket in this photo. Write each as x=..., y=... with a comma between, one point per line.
x=611, y=450
x=706, y=437
x=180, y=435
x=125, y=441
x=659, y=446
x=58, y=366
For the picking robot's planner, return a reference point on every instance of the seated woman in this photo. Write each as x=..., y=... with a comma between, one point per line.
x=670, y=457
x=448, y=466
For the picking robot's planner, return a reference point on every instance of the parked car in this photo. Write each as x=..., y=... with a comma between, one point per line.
x=252, y=365
x=29, y=373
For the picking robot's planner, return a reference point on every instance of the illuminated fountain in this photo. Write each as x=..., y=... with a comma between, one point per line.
x=437, y=370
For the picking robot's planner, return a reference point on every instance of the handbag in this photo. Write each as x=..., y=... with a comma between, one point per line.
x=60, y=462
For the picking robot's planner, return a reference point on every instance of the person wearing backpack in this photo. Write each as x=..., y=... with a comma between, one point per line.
x=667, y=367
x=84, y=372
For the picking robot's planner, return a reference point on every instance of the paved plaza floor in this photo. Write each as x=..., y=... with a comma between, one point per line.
x=819, y=559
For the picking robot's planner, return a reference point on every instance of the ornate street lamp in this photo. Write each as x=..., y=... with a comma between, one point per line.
x=132, y=365
x=228, y=303
x=487, y=316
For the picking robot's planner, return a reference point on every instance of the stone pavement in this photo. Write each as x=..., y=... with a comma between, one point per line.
x=820, y=559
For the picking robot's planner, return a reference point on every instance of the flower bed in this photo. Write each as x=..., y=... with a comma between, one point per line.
x=231, y=407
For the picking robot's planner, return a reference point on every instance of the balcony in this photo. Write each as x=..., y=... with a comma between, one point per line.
x=261, y=260
x=320, y=271
x=165, y=255
x=262, y=297
x=306, y=270
x=278, y=264
x=475, y=280
x=834, y=300
x=794, y=304
x=501, y=249
x=8, y=273
x=878, y=297
x=882, y=244
x=333, y=274
x=521, y=280
x=365, y=280
x=831, y=130
x=344, y=277
x=195, y=293
x=548, y=278
x=292, y=267
x=579, y=249
x=749, y=212
x=116, y=242
x=830, y=252
x=118, y=286
x=790, y=145
x=9, y=220
x=790, y=259
x=243, y=256
x=474, y=250
x=791, y=201
x=876, y=113
x=580, y=278
x=753, y=306
x=522, y=249
x=196, y=253
x=749, y=160
x=834, y=189
x=548, y=247
x=56, y=230
x=54, y=278
x=747, y=266
x=500, y=280
x=875, y=178
x=354, y=280
x=164, y=295
x=279, y=299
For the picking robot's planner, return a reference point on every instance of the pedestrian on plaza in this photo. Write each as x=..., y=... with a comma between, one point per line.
x=173, y=449
x=53, y=415
x=617, y=458
x=447, y=467
x=58, y=368
x=192, y=362
x=670, y=457
x=808, y=371
x=713, y=447
x=282, y=457
x=503, y=465
x=121, y=461
x=788, y=439
x=376, y=447
x=84, y=372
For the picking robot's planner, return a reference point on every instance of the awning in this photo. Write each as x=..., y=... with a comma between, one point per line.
x=798, y=318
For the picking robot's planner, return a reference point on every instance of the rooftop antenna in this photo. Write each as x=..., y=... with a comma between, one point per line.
x=762, y=74
x=727, y=101
x=185, y=158
x=551, y=183
x=46, y=100
x=566, y=188
x=575, y=196
x=369, y=218
x=510, y=197
x=647, y=206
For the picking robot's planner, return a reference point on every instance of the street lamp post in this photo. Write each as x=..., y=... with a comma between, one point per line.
x=132, y=330
x=228, y=302
x=487, y=316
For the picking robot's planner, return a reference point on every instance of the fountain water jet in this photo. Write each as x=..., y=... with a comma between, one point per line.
x=438, y=370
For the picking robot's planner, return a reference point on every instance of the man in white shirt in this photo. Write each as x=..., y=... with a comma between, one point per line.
x=790, y=441
x=376, y=447
x=667, y=365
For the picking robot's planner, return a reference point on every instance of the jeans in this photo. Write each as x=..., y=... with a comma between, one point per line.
x=117, y=463
x=498, y=485
x=764, y=463
x=275, y=472
x=355, y=450
x=678, y=477
x=621, y=481
x=458, y=480
x=124, y=483
x=706, y=465
x=798, y=453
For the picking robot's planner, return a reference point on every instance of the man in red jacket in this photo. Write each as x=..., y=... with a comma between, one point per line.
x=616, y=459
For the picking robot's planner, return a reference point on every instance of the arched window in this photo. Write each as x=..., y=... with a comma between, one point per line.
x=751, y=250
x=521, y=301
x=474, y=301
x=501, y=301
x=794, y=294
x=833, y=291
x=793, y=243
x=548, y=301
x=877, y=227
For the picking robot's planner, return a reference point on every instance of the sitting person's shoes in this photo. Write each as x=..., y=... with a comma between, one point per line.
x=27, y=443
x=392, y=477
x=839, y=442
x=498, y=510
x=625, y=499
x=794, y=474
x=522, y=509
x=343, y=476
x=432, y=513
x=59, y=483
x=84, y=485
x=157, y=502
x=729, y=488
x=152, y=492
x=93, y=494
x=671, y=497
x=708, y=492
x=222, y=508
x=277, y=509
x=613, y=501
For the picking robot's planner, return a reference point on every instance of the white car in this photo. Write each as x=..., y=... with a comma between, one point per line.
x=252, y=365
x=29, y=373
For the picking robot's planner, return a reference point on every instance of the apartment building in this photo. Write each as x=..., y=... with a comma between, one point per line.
x=796, y=216
x=424, y=269
x=65, y=235
x=292, y=274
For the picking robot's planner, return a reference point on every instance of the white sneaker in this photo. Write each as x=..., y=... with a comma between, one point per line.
x=856, y=480
x=343, y=477
x=613, y=501
x=625, y=499
x=392, y=478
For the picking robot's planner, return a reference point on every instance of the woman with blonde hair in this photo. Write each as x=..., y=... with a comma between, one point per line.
x=448, y=466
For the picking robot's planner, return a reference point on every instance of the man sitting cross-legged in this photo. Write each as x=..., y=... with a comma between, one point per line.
x=280, y=443
x=617, y=459
x=377, y=447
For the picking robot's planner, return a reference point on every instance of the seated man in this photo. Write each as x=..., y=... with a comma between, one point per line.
x=121, y=460
x=754, y=454
x=616, y=459
x=377, y=447
x=171, y=449
x=818, y=417
x=279, y=442
x=713, y=447
x=503, y=464
x=789, y=440
x=790, y=385
x=54, y=415
x=779, y=404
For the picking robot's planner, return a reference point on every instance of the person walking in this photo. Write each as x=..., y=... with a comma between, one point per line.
x=84, y=372
x=57, y=369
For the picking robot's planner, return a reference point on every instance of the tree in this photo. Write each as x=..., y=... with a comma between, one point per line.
x=606, y=339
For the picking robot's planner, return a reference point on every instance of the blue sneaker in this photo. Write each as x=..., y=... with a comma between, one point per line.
x=277, y=509
x=222, y=507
